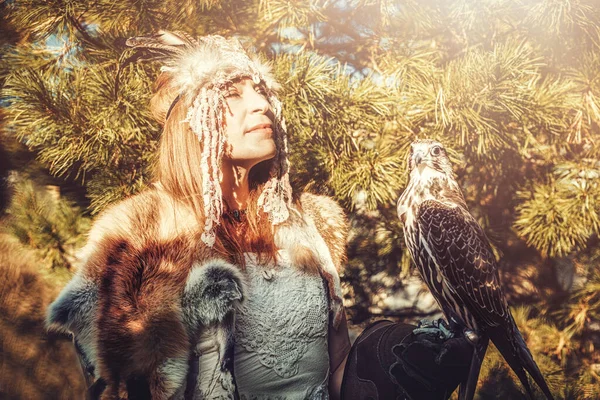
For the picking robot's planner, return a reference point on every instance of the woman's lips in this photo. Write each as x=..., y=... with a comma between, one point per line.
x=265, y=129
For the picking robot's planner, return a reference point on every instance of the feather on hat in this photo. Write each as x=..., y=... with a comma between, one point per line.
x=204, y=62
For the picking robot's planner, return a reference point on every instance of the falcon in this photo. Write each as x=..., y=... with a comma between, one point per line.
x=455, y=259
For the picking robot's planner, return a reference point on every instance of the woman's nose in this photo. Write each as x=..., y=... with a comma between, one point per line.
x=259, y=103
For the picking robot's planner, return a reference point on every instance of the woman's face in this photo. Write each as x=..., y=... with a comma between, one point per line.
x=249, y=126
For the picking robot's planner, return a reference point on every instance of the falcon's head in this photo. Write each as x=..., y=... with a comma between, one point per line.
x=427, y=153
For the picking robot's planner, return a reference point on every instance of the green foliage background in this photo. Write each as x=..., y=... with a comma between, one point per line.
x=511, y=87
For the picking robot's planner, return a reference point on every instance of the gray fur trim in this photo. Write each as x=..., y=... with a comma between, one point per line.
x=212, y=291
x=73, y=311
x=173, y=373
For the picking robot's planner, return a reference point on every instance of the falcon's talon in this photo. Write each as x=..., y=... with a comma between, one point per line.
x=437, y=328
x=471, y=336
x=424, y=323
x=418, y=331
x=445, y=332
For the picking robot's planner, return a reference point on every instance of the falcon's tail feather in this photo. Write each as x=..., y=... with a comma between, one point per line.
x=467, y=388
x=514, y=350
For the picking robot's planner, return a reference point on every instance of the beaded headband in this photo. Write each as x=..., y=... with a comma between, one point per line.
x=201, y=71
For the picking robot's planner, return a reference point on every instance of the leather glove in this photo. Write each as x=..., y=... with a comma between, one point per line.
x=390, y=361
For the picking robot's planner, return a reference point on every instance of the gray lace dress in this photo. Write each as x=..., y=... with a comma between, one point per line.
x=281, y=349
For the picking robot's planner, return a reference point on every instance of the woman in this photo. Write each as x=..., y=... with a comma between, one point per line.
x=251, y=217
x=222, y=172
x=165, y=271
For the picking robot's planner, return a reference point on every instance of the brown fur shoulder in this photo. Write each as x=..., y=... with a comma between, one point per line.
x=145, y=276
x=331, y=222
x=149, y=216
x=140, y=252
x=139, y=303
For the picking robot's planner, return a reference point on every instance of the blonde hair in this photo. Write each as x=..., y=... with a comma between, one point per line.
x=180, y=171
x=178, y=165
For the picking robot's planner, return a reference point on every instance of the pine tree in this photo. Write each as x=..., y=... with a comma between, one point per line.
x=510, y=87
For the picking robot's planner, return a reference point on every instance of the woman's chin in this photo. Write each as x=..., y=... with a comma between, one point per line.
x=268, y=149
x=250, y=161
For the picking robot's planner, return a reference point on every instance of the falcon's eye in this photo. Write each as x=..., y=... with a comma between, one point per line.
x=436, y=151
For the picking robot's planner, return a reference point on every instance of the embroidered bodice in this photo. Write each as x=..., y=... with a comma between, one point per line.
x=281, y=343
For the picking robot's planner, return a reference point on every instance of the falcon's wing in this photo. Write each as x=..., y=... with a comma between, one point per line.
x=458, y=245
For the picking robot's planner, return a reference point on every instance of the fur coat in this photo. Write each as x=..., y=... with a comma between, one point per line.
x=146, y=276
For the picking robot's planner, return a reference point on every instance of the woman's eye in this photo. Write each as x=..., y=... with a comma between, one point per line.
x=232, y=93
x=261, y=90
x=436, y=151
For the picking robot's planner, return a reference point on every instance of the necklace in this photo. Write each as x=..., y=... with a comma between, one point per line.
x=236, y=215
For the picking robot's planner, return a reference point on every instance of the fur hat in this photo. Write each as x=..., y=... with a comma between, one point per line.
x=201, y=70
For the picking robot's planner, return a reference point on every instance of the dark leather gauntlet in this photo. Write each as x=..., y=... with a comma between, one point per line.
x=389, y=361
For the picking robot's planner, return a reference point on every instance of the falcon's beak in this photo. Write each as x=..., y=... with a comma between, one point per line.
x=418, y=159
